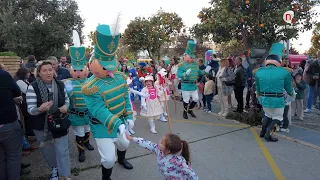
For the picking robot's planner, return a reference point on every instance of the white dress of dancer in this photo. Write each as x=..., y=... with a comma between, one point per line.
x=151, y=107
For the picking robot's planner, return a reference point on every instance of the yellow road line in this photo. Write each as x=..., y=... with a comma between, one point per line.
x=213, y=124
x=267, y=155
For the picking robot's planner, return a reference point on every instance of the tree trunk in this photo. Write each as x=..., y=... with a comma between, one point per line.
x=267, y=50
x=149, y=53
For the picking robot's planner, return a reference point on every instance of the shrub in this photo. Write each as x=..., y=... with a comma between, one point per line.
x=251, y=118
x=8, y=53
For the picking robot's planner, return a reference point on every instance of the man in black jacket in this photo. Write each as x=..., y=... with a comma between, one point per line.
x=11, y=132
x=240, y=83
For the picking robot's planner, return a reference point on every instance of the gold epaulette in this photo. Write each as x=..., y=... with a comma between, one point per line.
x=255, y=70
x=180, y=63
x=65, y=80
x=87, y=90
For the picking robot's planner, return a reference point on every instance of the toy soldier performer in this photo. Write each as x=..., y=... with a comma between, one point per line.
x=108, y=101
x=77, y=109
x=271, y=81
x=188, y=72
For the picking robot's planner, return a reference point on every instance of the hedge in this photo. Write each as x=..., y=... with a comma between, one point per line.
x=8, y=53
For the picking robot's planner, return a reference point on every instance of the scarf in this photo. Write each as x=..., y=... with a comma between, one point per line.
x=44, y=94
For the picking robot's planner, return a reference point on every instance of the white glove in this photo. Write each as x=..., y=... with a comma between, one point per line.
x=122, y=128
x=188, y=72
x=208, y=68
x=130, y=123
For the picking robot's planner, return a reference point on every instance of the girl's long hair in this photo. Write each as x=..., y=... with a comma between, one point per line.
x=174, y=144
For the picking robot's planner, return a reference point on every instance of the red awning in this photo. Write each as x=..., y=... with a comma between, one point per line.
x=296, y=59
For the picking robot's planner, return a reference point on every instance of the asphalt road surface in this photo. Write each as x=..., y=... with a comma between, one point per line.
x=220, y=149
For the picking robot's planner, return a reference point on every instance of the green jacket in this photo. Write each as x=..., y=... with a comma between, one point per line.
x=108, y=101
x=77, y=103
x=300, y=89
x=188, y=82
x=272, y=79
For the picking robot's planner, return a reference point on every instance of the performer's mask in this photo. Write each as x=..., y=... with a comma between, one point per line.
x=79, y=74
x=187, y=58
x=98, y=70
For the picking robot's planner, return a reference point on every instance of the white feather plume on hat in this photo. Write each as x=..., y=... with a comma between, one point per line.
x=116, y=25
x=76, y=39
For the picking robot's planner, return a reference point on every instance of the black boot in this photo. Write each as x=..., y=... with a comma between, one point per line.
x=192, y=105
x=106, y=173
x=87, y=143
x=122, y=159
x=185, y=110
x=265, y=123
x=80, y=146
x=271, y=128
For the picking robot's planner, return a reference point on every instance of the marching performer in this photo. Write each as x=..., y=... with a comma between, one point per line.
x=188, y=71
x=162, y=83
x=108, y=101
x=78, y=112
x=144, y=70
x=270, y=83
x=151, y=107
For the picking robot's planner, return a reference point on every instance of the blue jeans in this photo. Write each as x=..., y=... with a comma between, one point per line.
x=311, y=97
x=209, y=99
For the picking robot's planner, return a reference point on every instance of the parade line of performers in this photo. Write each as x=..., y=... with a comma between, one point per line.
x=102, y=105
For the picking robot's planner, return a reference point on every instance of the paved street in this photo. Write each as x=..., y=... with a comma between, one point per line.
x=220, y=149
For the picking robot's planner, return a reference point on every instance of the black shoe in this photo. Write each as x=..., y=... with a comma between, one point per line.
x=82, y=156
x=23, y=166
x=106, y=173
x=88, y=146
x=270, y=138
x=185, y=109
x=87, y=143
x=192, y=114
x=185, y=115
x=25, y=172
x=122, y=160
x=80, y=140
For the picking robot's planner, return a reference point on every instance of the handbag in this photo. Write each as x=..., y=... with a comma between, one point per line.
x=58, y=122
x=229, y=82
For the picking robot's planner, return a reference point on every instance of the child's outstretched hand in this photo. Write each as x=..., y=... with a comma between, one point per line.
x=128, y=137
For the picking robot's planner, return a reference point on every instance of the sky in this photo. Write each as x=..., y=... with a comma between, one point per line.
x=105, y=11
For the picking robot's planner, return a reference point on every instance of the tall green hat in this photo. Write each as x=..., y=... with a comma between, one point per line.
x=77, y=53
x=191, y=48
x=277, y=48
x=105, y=46
x=78, y=58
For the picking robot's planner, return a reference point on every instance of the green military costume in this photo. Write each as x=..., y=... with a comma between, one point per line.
x=270, y=83
x=188, y=72
x=78, y=112
x=108, y=100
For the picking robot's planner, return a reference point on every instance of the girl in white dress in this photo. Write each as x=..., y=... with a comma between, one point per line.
x=150, y=106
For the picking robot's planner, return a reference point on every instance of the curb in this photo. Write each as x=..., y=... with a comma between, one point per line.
x=295, y=140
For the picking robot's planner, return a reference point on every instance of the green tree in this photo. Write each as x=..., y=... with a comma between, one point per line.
x=181, y=44
x=38, y=27
x=151, y=33
x=257, y=23
x=233, y=47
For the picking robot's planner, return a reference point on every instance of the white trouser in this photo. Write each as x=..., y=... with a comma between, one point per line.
x=223, y=101
x=164, y=108
x=81, y=130
x=187, y=94
x=274, y=113
x=106, y=148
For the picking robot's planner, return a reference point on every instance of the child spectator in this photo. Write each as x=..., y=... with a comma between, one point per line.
x=297, y=105
x=173, y=156
x=209, y=91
